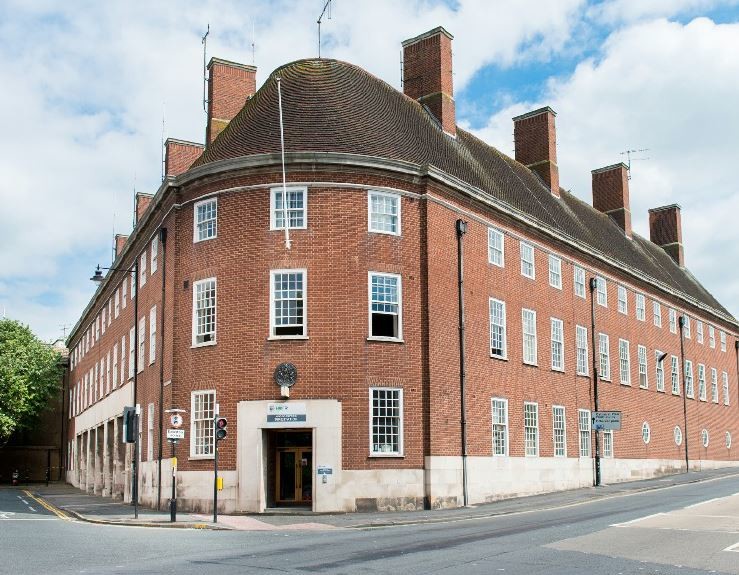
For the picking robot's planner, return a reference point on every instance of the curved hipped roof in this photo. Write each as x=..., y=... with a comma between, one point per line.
x=333, y=106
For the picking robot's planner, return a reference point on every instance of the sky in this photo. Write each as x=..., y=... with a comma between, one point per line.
x=88, y=89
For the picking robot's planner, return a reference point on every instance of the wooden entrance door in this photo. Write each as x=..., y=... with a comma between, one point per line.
x=294, y=476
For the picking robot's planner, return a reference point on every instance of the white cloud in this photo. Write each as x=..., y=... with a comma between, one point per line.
x=671, y=88
x=614, y=11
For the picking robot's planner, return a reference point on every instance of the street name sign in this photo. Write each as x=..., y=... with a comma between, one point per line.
x=607, y=420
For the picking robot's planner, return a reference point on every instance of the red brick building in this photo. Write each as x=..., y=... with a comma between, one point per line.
x=389, y=205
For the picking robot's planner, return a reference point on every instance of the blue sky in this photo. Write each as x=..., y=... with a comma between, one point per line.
x=87, y=84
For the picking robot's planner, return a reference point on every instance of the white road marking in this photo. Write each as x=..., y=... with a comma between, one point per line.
x=32, y=509
x=636, y=520
x=6, y=514
x=703, y=502
x=734, y=548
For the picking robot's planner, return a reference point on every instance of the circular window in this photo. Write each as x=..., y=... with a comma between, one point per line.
x=678, y=433
x=704, y=437
x=728, y=440
x=646, y=433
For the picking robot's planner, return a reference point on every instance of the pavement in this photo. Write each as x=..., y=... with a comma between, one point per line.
x=68, y=502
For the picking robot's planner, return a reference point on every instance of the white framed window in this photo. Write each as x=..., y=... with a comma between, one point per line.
x=686, y=326
x=677, y=434
x=500, y=426
x=581, y=345
x=123, y=360
x=601, y=292
x=608, y=443
x=704, y=437
x=657, y=312
x=107, y=373
x=142, y=343
x=131, y=351
x=383, y=210
x=104, y=321
x=385, y=306
x=673, y=320
x=386, y=422
x=150, y=432
x=699, y=331
x=154, y=251
x=297, y=208
x=722, y=335
x=659, y=370
x=641, y=307
x=528, y=319
x=623, y=302
x=97, y=328
x=605, y=356
x=498, y=344
x=527, y=261
x=689, y=391
x=117, y=303
x=583, y=422
x=559, y=435
x=152, y=334
x=725, y=382
x=202, y=436
x=558, y=359
x=675, y=376
x=205, y=223
x=204, y=312
x=133, y=285
x=642, y=356
x=728, y=439
x=496, y=247
x=579, y=279
x=701, y=382
x=646, y=433
x=142, y=269
x=288, y=304
x=711, y=337
x=115, y=365
x=531, y=429
x=555, y=272
x=96, y=381
x=624, y=362
x=124, y=293
x=714, y=385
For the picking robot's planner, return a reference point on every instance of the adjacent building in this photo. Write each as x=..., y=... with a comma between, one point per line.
x=424, y=333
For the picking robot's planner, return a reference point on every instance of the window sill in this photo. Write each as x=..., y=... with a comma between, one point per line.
x=287, y=337
x=556, y=287
x=201, y=458
x=499, y=357
x=291, y=228
x=583, y=375
x=531, y=364
x=643, y=387
x=608, y=379
x=558, y=370
x=198, y=241
x=626, y=383
x=386, y=455
x=385, y=339
x=204, y=344
x=529, y=277
x=384, y=233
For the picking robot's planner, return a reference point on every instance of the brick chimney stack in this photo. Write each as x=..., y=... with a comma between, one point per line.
x=535, y=138
x=427, y=75
x=180, y=155
x=665, y=230
x=120, y=241
x=142, y=202
x=230, y=85
x=611, y=194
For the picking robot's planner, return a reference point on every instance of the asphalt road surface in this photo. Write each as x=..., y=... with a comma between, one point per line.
x=686, y=529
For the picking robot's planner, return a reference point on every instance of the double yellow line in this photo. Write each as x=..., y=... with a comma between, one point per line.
x=48, y=506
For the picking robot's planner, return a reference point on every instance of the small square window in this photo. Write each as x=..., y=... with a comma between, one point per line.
x=384, y=213
x=295, y=210
x=206, y=220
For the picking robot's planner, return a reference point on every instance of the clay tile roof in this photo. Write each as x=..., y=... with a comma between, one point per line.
x=333, y=106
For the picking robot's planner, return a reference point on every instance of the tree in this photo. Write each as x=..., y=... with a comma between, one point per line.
x=30, y=373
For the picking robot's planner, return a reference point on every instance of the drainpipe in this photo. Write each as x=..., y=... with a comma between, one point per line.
x=461, y=230
x=736, y=345
x=681, y=323
x=163, y=241
x=593, y=287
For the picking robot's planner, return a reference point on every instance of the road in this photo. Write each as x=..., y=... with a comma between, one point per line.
x=685, y=529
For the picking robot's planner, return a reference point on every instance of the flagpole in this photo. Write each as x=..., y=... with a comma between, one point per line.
x=284, y=183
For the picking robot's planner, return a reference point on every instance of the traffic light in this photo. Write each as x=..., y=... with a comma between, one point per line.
x=221, y=430
x=129, y=424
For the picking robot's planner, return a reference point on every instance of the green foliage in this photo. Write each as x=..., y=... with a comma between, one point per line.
x=30, y=373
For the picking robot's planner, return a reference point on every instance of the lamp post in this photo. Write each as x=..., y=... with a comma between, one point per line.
x=681, y=323
x=593, y=287
x=98, y=278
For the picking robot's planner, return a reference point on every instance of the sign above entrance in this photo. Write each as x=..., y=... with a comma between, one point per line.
x=287, y=412
x=607, y=420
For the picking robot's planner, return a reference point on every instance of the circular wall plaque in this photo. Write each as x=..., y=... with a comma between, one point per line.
x=286, y=374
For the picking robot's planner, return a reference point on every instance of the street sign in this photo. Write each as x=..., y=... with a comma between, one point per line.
x=324, y=470
x=175, y=434
x=176, y=420
x=607, y=420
